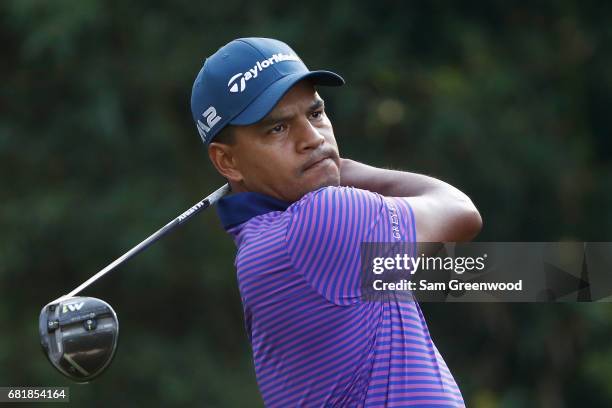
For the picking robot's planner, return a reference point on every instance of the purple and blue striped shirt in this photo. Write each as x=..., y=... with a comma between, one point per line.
x=315, y=341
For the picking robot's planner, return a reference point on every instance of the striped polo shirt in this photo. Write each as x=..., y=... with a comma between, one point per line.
x=315, y=341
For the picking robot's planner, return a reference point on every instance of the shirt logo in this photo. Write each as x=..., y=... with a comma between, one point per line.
x=237, y=83
x=212, y=119
x=394, y=218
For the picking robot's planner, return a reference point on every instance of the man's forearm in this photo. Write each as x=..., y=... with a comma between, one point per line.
x=443, y=213
x=389, y=182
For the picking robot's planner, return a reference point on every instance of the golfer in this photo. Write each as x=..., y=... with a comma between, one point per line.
x=298, y=214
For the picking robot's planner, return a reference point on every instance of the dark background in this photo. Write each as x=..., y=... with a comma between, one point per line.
x=508, y=102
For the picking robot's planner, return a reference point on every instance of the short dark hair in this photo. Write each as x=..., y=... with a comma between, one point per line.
x=226, y=136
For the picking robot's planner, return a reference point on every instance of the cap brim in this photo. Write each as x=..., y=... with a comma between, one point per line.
x=266, y=101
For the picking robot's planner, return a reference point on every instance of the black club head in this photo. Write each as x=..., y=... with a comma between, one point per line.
x=79, y=336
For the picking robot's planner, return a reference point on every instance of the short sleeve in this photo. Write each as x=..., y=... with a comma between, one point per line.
x=324, y=236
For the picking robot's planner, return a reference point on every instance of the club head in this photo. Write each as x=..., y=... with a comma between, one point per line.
x=79, y=336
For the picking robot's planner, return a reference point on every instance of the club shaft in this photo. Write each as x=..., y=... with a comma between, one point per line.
x=201, y=205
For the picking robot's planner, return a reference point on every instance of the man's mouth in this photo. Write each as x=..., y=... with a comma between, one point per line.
x=322, y=161
x=318, y=161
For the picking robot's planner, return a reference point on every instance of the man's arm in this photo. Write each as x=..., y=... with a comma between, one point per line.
x=442, y=212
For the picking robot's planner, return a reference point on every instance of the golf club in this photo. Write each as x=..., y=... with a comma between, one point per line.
x=79, y=334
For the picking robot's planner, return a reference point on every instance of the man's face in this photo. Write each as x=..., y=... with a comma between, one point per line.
x=290, y=152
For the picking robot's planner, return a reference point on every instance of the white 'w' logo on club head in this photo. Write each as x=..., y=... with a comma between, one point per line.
x=72, y=307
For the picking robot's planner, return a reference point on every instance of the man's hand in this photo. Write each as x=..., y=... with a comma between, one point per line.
x=442, y=212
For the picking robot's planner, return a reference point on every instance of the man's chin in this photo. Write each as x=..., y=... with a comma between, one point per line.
x=330, y=180
x=333, y=181
x=327, y=178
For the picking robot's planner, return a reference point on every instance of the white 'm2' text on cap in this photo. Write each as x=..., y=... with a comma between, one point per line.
x=212, y=119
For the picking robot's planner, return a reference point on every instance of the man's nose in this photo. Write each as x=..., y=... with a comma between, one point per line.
x=309, y=136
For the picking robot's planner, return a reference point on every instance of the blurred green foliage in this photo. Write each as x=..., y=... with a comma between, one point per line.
x=509, y=102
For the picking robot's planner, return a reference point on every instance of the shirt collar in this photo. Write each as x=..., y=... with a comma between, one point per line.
x=238, y=208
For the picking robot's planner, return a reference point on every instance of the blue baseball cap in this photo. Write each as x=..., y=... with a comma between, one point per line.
x=243, y=81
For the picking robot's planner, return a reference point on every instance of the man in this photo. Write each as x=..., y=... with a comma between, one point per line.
x=298, y=215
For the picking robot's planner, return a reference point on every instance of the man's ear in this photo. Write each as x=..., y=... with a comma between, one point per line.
x=222, y=157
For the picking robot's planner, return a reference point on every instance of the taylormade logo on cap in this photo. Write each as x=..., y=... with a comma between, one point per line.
x=257, y=68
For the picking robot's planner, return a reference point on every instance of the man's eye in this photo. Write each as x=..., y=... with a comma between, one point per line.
x=277, y=129
x=317, y=114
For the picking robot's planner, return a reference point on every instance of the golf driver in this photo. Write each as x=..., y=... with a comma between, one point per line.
x=79, y=334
